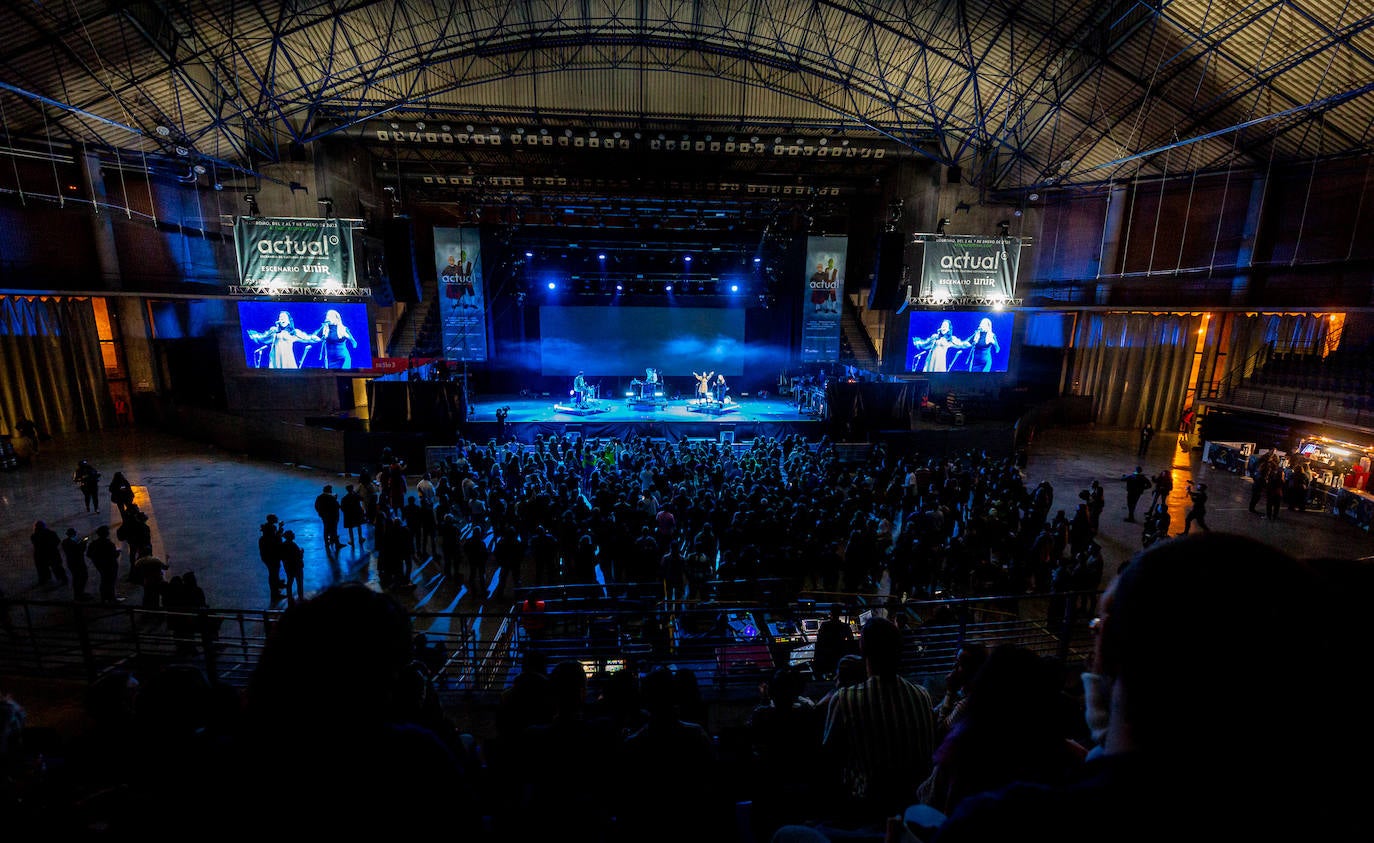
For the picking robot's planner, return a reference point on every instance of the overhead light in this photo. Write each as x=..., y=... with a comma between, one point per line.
x=668, y=288
x=420, y=125
x=687, y=258
x=199, y=169
x=529, y=254
x=470, y=128
x=163, y=130
x=734, y=288
x=553, y=286
x=1033, y=197
x=183, y=151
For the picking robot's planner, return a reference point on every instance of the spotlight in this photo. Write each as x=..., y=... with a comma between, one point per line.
x=529, y=254
x=553, y=286
x=758, y=260
x=944, y=222
x=734, y=288
x=668, y=288
x=619, y=288
x=687, y=258
x=601, y=257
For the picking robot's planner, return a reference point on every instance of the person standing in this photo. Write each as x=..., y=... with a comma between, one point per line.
x=1198, y=513
x=293, y=563
x=354, y=514
x=121, y=493
x=269, y=550
x=450, y=542
x=47, y=554
x=87, y=480
x=147, y=572
x=74, y=551
x=882, y=732
x=327, y=507
x=1146, y=434
x=104, y=556
x=1096, y=503
x=1136, y=485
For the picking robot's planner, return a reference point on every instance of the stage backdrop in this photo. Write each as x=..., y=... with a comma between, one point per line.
x=458, y=256
x=289, y=256
x=626, y=340
x=977, y=267
x=824, y=299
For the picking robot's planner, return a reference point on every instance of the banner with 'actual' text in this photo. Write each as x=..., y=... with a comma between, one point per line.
x=970, y=267
x=292, y=256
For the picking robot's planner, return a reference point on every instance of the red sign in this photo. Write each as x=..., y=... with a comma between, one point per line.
x=391, y=365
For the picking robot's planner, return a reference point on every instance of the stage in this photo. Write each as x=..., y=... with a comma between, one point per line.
x=682, y=419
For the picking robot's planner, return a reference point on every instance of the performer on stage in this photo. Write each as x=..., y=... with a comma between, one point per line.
x=719, y=390
x=338, y=341
x=703, y=385
x=984, y=343
x=936, y=348
x=282, y=337
x=579, y=390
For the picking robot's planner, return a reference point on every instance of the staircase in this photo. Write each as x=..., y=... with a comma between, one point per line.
x=861, y=351
x=419, y=319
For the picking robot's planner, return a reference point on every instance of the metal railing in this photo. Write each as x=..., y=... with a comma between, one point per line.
x=729, y=644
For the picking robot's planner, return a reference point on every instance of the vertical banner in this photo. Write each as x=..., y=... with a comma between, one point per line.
x=824, y=299
x=458, y=255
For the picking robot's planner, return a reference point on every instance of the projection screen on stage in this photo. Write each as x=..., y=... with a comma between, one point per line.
x=624, y=340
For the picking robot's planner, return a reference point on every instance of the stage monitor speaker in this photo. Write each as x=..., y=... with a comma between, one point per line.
x=888, y=289
x=400, y=260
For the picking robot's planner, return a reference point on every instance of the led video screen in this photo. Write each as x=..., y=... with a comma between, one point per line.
x=293, y=335
x=622, y=340
x=959, y=341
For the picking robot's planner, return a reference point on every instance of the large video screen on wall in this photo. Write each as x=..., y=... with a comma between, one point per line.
x=305, y=335
x=959, y=341
x=623, y=340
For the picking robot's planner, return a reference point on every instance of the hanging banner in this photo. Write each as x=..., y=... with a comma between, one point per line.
x=283, y=256
x=824, y=299
x=970, y=267
x=458, y=255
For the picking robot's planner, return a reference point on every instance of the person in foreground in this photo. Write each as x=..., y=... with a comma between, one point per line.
x=1198, y=737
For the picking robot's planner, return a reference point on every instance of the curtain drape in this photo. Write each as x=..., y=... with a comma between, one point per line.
x=1136, y=366
x=51, y=370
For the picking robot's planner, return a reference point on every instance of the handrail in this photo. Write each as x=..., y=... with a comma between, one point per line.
x=66, y=640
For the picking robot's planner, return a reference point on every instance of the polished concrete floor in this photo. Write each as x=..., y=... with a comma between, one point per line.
x=205, y=506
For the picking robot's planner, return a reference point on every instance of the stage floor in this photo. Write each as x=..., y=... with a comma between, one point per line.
x=748, y=418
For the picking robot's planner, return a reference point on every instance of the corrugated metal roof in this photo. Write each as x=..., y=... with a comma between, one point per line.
x=1192, y=83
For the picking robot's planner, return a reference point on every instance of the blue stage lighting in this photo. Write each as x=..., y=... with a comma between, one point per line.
x=553, y=286
x=687, y=258
x=668, y=288
x=758, y=260
x=529, y=254
x=619, y=287
x=734, y=288
x=601, y=257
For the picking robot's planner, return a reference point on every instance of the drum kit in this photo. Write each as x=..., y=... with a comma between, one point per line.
x=587, y=396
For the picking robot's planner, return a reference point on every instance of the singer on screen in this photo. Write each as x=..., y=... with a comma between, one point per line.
x=280, y=341
x=338, y=341
x=984, y=343
x=936, y=348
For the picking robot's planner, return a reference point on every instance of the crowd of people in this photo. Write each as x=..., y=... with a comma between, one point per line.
x=341, y=730
x=345, y=691
x=640, y=510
